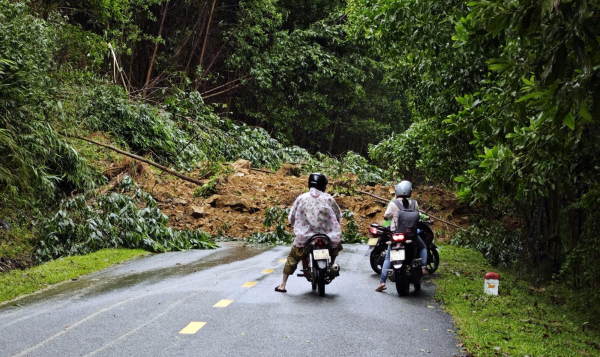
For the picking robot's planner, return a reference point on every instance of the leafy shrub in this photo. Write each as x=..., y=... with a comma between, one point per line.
x=497, y=244
x=35, y=160
x=142, y=127
x=277, y=217
x=353, y=163
x=217, y=172
x=344, y=185
x=85, y=224
x=351, y=234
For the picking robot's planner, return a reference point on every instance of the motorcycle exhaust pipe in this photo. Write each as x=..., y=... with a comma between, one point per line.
x=334, y=271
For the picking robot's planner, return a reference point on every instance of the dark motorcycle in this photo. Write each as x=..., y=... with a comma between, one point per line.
x=405, y=264
x=320, y=271
x=381, y=235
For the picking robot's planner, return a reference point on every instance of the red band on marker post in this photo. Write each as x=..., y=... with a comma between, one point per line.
x=492, y=275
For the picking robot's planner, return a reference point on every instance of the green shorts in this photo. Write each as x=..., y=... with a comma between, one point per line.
x=297, y=254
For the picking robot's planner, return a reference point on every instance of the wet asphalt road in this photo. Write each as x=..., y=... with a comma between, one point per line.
x=141, y=308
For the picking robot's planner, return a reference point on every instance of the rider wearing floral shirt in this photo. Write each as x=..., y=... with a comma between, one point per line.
x=314, y=212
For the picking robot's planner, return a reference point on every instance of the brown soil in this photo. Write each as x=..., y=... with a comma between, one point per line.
x=237, y=207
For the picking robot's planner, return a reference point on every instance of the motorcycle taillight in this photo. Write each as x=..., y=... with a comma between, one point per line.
x=320, y=242
x=373, y=231
x=398, y=237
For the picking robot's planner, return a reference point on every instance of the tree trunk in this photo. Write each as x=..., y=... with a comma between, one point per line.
x=573, y=225
x=162, y=21
x=205, y=39
x=332, y=138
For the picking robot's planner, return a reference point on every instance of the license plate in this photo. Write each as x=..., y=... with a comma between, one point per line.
x=372, y=242
x=396, y=255
x=321, y=254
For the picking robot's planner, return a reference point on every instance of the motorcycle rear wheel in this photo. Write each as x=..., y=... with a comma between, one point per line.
x=377, y=258
x=433, y=260
x=402, y=283
x=321, y=282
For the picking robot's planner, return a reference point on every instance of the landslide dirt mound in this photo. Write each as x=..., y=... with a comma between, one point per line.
x=236, y=209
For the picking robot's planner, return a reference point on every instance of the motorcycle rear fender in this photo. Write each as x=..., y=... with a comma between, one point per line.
x=322, y=264
x=398, y=266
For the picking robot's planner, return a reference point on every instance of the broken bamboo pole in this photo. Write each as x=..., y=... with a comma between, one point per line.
x=139, y=158
x=383, y=200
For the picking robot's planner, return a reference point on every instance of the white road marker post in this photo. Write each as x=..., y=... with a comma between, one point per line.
x=490, y=287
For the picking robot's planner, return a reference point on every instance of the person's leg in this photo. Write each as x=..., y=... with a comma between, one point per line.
x=334, y=253
x=384, y=269
x=422, y=255
x=290, y=266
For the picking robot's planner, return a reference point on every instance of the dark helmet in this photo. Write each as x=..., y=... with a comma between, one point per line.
x=404, y=189
x=318, y=181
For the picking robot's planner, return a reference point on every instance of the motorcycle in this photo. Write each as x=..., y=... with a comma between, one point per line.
x=381, y=235
x=406, y=267
x=320, y=271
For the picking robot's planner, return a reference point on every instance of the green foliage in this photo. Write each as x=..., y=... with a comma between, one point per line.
x=142, y=127
x=311, y=84
x=85, y=224
x=350, y=233
x=35, y=161
x=497, y=244
x=353, y=163
x=16, y=243
x=277, y=217
x=504, y=100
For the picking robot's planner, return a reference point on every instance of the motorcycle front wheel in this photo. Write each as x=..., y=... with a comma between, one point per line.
x=433, y=260
x=377, y=258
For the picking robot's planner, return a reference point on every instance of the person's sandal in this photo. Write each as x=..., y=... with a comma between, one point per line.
x=381, y=288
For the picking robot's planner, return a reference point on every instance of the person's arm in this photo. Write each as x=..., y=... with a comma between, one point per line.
x=336, y=210
x=292, y=214
x=416, y=206
x=389, y=212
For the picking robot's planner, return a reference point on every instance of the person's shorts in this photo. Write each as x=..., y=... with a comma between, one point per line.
x=297, y=254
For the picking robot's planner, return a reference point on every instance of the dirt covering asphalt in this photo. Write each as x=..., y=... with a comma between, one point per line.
x=236, y=209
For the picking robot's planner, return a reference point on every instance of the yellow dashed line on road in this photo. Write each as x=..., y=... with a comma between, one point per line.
x=192, y=328
x=223, y=303
x=249, y=284
x=267, y=271
x=281, y=260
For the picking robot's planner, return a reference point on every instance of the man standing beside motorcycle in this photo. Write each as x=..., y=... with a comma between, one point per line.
x=313, y=212
x=404, y=191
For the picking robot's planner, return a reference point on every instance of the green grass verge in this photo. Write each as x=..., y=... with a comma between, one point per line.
x=20, y=282
x=521, y=320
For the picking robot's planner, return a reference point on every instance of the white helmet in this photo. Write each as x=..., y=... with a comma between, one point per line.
x=404, y=189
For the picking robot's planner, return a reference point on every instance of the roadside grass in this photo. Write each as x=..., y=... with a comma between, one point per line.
x=522, y=320
x=20, y=282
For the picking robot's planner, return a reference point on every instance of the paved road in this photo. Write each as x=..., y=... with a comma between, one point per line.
x=164, y=305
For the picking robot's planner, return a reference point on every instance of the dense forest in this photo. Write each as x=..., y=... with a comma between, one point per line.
x=499, y=100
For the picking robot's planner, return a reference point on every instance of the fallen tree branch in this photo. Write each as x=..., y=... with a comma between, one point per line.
x=139, y=158
x=383, y=200
x=259, y=170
